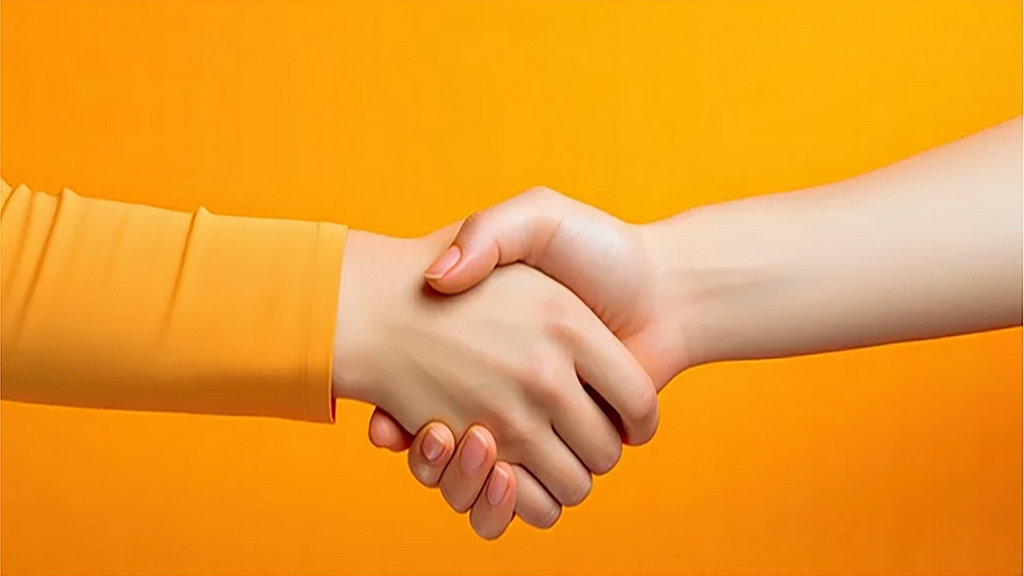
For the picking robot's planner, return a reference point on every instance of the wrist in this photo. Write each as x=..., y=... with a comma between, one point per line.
x=700, y=275
x=381, y=279
x=359, y=303
x=733, y=280
x=680, y=318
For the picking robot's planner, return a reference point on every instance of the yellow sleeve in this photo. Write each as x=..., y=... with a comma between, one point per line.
x=112, y=305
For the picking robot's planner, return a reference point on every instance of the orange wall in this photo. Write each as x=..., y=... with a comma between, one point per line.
x=402, y=117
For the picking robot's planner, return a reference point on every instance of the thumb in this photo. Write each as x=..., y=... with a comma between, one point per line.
x=385, y=432
x=513, y=231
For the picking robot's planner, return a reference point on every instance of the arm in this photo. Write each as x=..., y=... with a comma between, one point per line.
x=111, y=305
x=926, y=248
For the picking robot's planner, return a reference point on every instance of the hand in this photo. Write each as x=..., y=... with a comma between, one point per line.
x=492, y=511
x=505, y=356
x=925, y=248
x=608, y=263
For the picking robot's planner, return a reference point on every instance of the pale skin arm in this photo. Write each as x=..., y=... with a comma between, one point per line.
x=925, y=248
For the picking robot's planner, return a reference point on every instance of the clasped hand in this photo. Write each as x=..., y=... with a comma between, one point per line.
x=546, y=365
x=568, y=321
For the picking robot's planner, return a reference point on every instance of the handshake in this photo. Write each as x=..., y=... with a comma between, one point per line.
x=553, y=353
x=522, y=348
x=540, y=332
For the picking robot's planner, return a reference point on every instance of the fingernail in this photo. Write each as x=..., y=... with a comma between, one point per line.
x=474, y=452
x=444, y=263
x=433, y=445
x=497, y=487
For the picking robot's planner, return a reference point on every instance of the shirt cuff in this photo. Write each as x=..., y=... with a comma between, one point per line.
x=317, y=393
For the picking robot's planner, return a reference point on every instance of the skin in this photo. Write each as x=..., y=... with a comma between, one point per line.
x=925, y=248
x=508, y=356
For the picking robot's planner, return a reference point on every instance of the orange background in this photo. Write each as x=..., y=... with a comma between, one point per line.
x=401, y=117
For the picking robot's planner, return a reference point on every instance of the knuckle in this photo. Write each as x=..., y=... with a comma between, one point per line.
x=643, y=412
x=542, y=193
x=546, y=518
x=611, y=453
x=534, y=369
x=474, y=220
x=516, y=431
x=543, y=197
x=541, y=378
x=579, y=492
x=564, y=322
x=552, y=395
x=553, y=514
x=567, y=328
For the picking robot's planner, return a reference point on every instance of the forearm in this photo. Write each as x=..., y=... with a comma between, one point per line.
x=112, y=305
x=925, y=248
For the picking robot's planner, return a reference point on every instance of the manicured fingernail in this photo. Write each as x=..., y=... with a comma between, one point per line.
x=444, y=263
x=432, y=446
x=474, y=452
x=497, y=487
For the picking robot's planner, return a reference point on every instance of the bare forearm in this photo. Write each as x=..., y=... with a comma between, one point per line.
x=928, y=247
